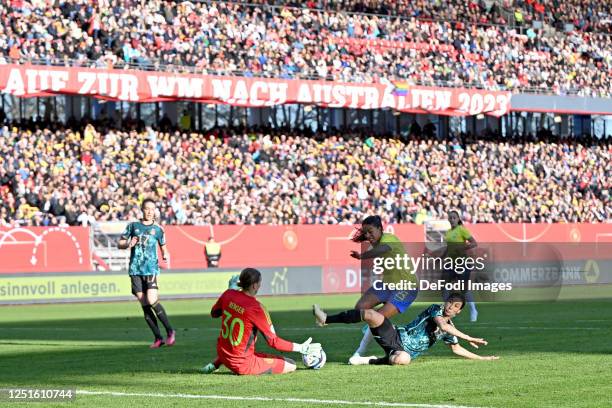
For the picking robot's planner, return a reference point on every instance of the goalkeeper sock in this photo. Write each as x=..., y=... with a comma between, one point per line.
x=149, y=317
x=349, y=316
x=379, y=361
x=161, y=315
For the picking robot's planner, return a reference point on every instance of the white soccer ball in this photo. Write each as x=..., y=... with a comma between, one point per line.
x=315, y=360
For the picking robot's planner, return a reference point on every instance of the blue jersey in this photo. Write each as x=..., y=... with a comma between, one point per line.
x=143, y=256
x=422, y=333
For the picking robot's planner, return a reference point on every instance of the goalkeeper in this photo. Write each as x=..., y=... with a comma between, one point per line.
x=242, y=318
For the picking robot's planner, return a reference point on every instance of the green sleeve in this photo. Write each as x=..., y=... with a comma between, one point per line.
x=465, y=234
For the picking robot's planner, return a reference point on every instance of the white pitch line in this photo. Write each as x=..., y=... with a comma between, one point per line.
x=547, y=328
x=595, y=320
x=268, y=399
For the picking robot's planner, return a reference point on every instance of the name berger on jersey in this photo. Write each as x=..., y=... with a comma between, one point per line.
x=236, y=307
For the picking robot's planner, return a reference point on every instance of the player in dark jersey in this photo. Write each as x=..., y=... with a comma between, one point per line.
x=242, y=319
x=142, y=238
x=402, y=344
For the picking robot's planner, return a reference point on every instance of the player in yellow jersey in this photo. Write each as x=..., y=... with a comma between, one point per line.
x=383, y=247
x=458, y=241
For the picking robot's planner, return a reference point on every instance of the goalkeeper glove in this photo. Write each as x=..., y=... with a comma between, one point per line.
x=233, y=282
x=307, y=347
x=208, y=369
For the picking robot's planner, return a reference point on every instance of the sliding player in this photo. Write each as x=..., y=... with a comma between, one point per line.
x=384, y=245
x=402, y=344
x=242, y=317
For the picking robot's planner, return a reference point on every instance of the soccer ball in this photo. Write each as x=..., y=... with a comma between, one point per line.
x=315, y=360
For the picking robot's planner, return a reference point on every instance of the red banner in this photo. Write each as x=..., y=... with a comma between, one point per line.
x=338, y=279
x=144, y=86
x=44, y=249
x=264, y=245
x=329, y=245
x=553, y=233
x=67, y=249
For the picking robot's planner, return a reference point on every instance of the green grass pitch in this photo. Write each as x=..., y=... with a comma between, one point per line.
x=552, y=355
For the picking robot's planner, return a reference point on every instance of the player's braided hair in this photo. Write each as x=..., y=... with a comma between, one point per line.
x=374, y=220
x=248, y=276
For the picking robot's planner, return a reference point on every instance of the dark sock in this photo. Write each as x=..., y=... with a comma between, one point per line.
x=380, y=361
x=349, y=316
x=149, y=317
x=161, y=315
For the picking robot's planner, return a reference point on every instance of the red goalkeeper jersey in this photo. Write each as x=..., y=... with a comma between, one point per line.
x=242, y=318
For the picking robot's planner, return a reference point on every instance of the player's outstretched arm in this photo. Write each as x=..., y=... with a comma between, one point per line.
x=452, y=330
x=307, y=347
x=281, y=344
x=262, y=321
x=460, y=351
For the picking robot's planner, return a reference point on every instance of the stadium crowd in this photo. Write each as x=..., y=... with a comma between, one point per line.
x=56, y=174
x=225, y=38
x=585, y=15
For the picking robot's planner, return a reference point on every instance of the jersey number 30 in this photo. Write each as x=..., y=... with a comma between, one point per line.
x=229, y=322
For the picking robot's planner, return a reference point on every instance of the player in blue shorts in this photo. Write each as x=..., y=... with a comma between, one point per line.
x=402, y=344
x=384, y=246
x=142, y=238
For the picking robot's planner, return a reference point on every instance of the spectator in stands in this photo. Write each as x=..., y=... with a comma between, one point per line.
x=266, y=176
x=433, y=43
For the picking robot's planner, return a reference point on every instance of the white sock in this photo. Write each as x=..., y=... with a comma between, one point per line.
x=472, y=306
x=363, y=346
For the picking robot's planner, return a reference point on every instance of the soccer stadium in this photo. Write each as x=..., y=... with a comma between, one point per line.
x=318, y=203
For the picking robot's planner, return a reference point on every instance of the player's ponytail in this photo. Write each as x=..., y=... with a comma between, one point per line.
x=373, y=220
x=248, y=276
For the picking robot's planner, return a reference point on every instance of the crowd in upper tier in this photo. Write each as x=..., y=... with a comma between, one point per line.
x=448, y=43
x=54, y=174
x=584, y=15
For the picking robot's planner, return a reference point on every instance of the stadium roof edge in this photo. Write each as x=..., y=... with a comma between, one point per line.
x=562, y=104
